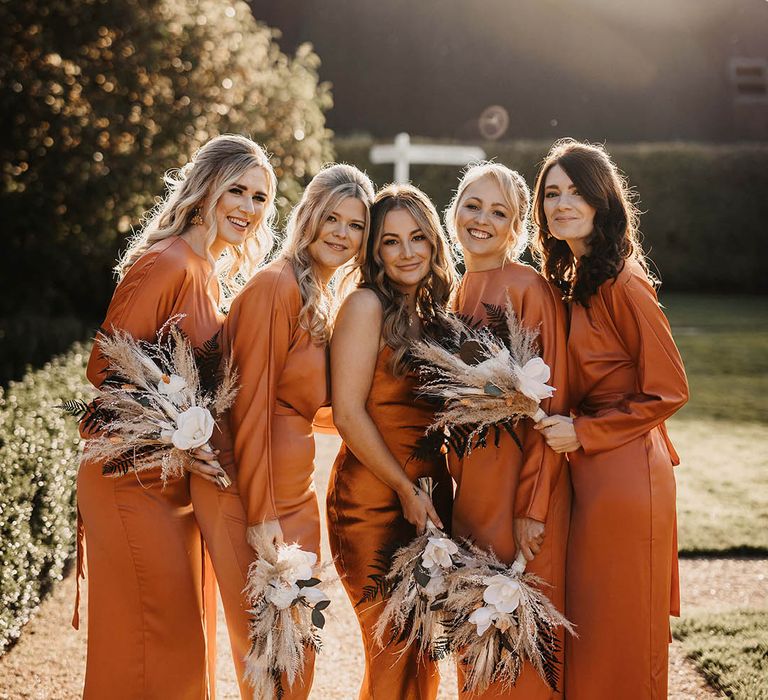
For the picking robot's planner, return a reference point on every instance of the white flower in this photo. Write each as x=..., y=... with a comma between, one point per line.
x=436, y=586
x=294, y=563
x=194, y=428
x=281, y=594
x=502, y=592
x=438, y=553
x=532, y=378
x=313, y=595
x=172, y=387
x=483, y=618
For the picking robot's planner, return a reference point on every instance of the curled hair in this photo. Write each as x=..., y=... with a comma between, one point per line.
x=322, y=195
x=614, y=238
x=432, y=293
x=516, y=195
x=214, y=168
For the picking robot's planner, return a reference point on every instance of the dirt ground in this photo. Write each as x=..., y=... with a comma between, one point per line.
x=48, y=662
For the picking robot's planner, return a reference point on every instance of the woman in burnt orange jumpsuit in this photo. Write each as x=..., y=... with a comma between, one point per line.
x=146, y=627
x=626, y=379
x=507, y=498
x=373, y=501
x=277, y=332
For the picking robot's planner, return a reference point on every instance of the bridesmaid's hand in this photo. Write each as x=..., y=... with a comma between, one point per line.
x=559, y=433
x=529, y=536
x=203, y=462
x=268, y=533
x=418, y=507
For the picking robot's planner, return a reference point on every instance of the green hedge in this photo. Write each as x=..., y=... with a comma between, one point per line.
x=39, y=453
x=705, y=207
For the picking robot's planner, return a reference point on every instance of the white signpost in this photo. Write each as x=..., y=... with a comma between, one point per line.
x=402, y=153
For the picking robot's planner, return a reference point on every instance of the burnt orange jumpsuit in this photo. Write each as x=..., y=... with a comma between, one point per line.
x=145, y=608
x=365, y=518
x=267, y=446
x=626, y=379
x=494, y=485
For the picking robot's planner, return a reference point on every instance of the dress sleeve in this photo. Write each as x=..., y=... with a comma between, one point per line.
x=661, y=387
x=259, y=331
x=540, y=471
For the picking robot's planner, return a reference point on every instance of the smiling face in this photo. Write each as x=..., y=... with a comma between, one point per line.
x=484, y=224
x=405, y=250
x=569, y=217
x=242, y=207
x=339, y=237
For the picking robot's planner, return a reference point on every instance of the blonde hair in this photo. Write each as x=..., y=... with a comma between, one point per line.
x=322, y=195
x=434, y=290
x=214, y=168
x=517, y=197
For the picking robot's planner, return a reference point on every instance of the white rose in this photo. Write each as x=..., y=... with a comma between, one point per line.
x=313, y=595
x=172, y=387
x=532, y=379
x=294, y=563
x=483, y=618
x=436, y=586
x=282, y=594
x=502, y=592
x=194, y=428
x=438, y=552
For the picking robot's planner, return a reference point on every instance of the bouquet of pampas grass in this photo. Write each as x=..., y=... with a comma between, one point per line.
x=154, y=406
x=415, y=585
x=496, y=618
x=287, y=599
x=483, y=376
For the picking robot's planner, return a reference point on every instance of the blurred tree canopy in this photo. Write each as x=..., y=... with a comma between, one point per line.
x=98, y=98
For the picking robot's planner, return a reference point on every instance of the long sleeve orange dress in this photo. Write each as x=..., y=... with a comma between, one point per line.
x=267, y=446
x=498, y=483
x=365, y=518
x=146, y=628
x=626, y=379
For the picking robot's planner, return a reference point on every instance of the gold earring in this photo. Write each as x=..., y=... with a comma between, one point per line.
x=196, y=219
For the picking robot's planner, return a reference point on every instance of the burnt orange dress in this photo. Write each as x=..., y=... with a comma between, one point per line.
x=496, y=484
x=365, y=517
x=267, y=445
x=626, y=379
x=146, y=634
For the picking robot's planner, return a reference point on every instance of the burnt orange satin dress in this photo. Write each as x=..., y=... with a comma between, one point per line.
x=365, y=517
x=144, y=557
x=267, y=446
x=626, y=379
x=494, y=484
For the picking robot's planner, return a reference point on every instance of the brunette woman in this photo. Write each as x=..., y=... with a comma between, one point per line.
x=145, y=609
x=626, y=379
x=511, y=497
x=277, y=332
x=373, y=500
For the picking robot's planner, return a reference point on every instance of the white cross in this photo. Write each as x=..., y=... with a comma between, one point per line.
x=402, y=153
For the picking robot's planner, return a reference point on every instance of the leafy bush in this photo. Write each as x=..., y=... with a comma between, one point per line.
x=99, y=98
x=39, y=453
x=704, y=205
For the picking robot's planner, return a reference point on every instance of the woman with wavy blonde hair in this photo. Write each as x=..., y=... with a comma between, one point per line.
x=146, y=635
x=277, y=331
x=374, y=503
x=510, y=497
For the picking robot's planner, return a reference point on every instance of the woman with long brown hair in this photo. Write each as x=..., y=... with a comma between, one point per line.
x=277, y=332
x=146, y=636
x=511, y=497
x=374, y=503
x=626, y=378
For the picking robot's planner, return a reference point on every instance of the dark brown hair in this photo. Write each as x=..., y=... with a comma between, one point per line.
x=614, y=237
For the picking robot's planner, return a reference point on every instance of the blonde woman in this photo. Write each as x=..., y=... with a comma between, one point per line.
x=145, y=615
x=373, y=500
x=277, y=331
x=511, y=498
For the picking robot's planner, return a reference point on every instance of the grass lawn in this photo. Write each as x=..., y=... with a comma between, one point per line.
x=730, y=650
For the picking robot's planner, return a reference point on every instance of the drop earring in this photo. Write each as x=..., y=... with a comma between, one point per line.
x=197, y=219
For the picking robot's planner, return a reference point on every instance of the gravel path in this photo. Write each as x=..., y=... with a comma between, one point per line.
x=48, y=662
